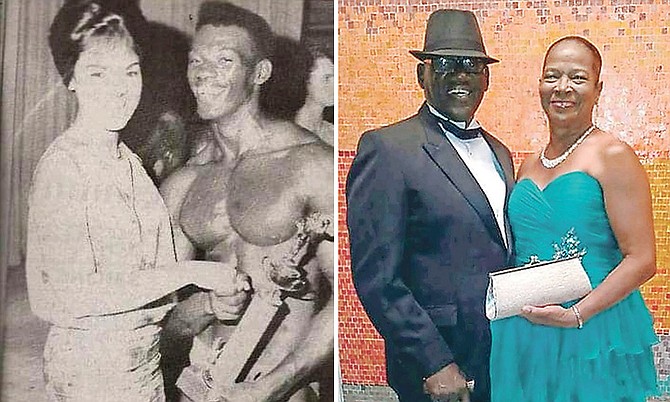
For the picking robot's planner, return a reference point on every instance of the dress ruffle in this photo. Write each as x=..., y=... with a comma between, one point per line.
x=610, y=359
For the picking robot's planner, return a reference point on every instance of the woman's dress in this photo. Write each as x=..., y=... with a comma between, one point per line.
x=610, y=358
x=95, y=220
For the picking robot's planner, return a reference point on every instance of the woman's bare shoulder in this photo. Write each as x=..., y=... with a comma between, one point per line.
x=609, y=150
x=613, y=160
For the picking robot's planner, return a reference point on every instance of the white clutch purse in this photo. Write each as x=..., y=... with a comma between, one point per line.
x=536, y=284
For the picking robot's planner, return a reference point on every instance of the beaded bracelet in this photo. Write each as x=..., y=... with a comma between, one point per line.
x=578, y=315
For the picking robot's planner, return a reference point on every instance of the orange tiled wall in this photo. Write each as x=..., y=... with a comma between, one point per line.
x=377, y=85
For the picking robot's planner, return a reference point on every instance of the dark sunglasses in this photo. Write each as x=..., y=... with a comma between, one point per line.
x=449, y=65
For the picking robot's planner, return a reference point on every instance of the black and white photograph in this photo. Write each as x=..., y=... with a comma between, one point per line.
x=168, y=207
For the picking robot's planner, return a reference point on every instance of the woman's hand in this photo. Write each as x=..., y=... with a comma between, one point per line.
x=552, y=316
x=229, y=303
x=227, y=289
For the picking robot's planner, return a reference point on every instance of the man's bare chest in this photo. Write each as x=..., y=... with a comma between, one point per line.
x=259, y=200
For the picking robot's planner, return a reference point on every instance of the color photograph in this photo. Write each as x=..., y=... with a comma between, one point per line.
x=503, y=200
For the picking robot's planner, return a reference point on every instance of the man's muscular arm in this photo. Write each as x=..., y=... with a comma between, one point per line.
x=316, y=348
x=174, y=190
x=196, y=309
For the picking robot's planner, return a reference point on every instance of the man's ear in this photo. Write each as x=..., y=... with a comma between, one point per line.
x=262, y=72
x=420, y=71
x=486, y=73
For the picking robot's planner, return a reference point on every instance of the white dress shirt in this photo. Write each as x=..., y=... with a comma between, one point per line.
x=480, y=160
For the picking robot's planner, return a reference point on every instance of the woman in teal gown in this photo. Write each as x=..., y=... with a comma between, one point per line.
x=593, y=196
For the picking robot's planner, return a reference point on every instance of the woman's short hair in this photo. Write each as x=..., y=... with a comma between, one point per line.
x=285, y=92
x=584, y=42
x=77, y=22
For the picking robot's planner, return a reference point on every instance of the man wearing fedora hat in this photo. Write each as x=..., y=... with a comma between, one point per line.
x=426, y=201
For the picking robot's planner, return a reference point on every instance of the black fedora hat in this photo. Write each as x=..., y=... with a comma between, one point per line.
x=453, y=33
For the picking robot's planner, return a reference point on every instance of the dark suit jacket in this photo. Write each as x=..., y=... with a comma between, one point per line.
x=423, y=239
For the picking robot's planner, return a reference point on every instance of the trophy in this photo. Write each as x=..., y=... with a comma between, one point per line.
x=230, y=360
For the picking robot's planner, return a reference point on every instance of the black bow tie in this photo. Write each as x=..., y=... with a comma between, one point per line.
x=463, y=134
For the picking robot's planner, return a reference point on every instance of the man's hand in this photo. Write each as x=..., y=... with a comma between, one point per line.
x=229, y=303
x=553, y=316
x=447, y=385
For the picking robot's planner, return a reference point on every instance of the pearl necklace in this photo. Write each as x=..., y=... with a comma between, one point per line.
x=552, y=163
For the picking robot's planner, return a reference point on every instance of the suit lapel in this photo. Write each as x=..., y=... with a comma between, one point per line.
x=508, y=170
x=442, y=152
x=501, y=155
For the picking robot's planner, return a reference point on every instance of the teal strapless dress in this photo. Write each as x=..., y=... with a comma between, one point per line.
x=610, y=359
